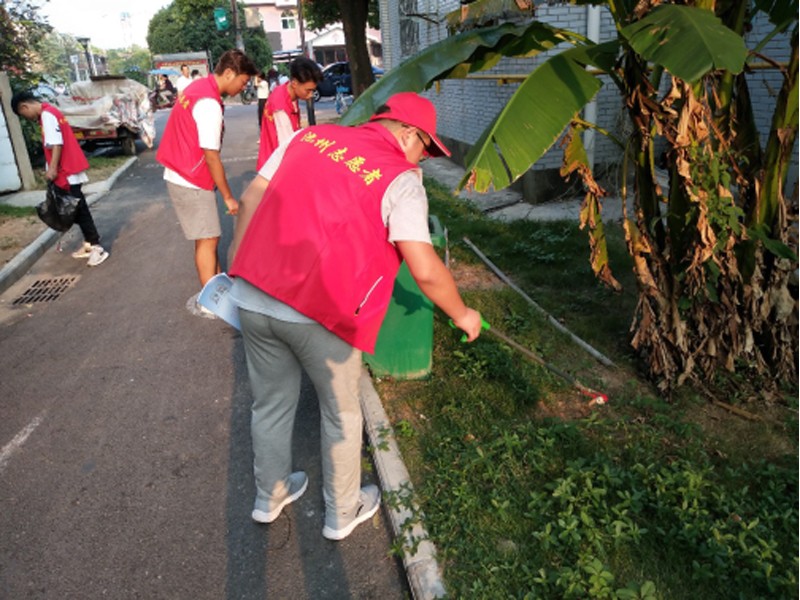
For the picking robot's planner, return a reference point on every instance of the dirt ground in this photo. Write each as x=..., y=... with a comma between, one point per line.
x=16, y=233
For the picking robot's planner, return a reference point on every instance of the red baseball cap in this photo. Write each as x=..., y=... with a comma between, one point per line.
x=412, y=109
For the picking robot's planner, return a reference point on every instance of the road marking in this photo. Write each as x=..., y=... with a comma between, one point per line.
x=19, y=439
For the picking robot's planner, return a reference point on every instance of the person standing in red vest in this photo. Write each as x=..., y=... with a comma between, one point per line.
x=314, y=268
x=66, y=167
x=281, y=116
x=190, y=152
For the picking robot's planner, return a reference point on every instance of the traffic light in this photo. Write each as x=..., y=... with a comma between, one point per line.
x=221, y=19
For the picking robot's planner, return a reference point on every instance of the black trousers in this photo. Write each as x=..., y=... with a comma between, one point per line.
x=83, y=218
x=261, y=103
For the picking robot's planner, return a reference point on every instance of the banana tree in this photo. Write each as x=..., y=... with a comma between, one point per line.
x=711, y=253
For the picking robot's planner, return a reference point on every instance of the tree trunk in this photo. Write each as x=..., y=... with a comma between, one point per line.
x=354, y=20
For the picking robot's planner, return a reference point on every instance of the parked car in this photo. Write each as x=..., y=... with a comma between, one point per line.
x=335, y=75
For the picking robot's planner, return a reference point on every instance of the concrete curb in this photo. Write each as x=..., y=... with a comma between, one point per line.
x=422, y=569
x=14, y=269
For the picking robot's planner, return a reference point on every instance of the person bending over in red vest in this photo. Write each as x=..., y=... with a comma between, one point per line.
x=314, y=268
x=190, y=152
x=281, y=116
x=66, y=167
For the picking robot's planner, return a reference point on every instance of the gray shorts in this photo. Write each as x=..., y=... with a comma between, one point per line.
x=196, y=210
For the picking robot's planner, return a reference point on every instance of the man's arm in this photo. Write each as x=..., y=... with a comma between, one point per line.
x=218, y=175
x=283, y=126
x=55, y=160
x=438, y=284
x=251, y=198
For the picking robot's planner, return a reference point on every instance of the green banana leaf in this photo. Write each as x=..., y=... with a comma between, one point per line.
x=456, y=57
x=532, y=121
x=687, y=41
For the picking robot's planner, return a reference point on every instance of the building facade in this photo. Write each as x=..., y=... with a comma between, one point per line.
x=286, y=34
x=466, y=107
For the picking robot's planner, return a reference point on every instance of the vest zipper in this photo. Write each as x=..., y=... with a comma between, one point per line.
x=197, y=166
x=369, y=293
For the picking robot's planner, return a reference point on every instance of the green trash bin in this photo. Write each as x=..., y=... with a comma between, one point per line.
x=404, y=348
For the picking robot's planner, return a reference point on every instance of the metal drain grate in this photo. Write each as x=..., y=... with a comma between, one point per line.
x=45, y=290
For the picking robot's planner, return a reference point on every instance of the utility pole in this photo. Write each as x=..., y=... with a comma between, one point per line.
x=237, y=30
x=312, y=118
x=84, y=41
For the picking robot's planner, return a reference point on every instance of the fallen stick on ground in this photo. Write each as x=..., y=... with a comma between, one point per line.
x=597, y=397
x=598, y=355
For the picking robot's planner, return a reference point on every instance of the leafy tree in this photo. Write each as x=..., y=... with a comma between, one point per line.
x=354, y=16
x=710, y=251
x=188, y=26
x=133, y=63
x=21, y=28
x=54, y=51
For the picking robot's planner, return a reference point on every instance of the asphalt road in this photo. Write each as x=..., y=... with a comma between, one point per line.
x=125, y=457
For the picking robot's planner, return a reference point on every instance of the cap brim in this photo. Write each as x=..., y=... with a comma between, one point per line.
x=437, y=148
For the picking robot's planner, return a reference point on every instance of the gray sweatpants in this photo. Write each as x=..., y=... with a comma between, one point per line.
x=277, y=353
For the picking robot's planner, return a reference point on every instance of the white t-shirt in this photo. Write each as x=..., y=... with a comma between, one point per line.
x=262, y=89
x=53, y=137
x=182, y=82
x=207, y=115
x=283, y=126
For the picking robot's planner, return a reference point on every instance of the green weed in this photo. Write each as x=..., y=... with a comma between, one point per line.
x=527, y=493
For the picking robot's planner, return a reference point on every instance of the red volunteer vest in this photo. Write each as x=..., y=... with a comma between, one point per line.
x=278, y=100
x=180, y=149
x=317, y=241
x=72, y=159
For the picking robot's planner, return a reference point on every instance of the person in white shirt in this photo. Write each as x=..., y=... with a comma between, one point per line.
x=184, y=78
x=262, y=91
x=66, y=167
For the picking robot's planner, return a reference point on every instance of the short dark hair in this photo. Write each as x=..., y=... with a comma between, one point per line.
x=22, y=98
x=184, y=65
x=304, y=70
x=237, y=61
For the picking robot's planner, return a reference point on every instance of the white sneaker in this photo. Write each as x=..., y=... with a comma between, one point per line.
x=97, y=256
x=296, y=485
x=338, y=527
x=84, y=251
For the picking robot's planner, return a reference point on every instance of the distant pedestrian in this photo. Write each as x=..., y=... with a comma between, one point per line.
x=190, y=152
x=262, y=92
x=282, y=112
x=66, y=167
x=314, y=268
x=195, y=74
x=167, y=91
x=274, y=79
x=184, y=79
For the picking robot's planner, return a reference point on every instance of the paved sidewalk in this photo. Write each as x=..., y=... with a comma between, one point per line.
x=508, y=205
x=422, y=572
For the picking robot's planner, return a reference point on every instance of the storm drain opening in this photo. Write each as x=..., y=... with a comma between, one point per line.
x=45, y=290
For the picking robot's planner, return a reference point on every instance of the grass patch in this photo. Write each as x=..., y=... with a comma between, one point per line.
x=529, y=491
x=15, y=212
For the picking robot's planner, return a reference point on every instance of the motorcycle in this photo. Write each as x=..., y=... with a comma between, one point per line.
x=157, y=100
x=248, y=94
